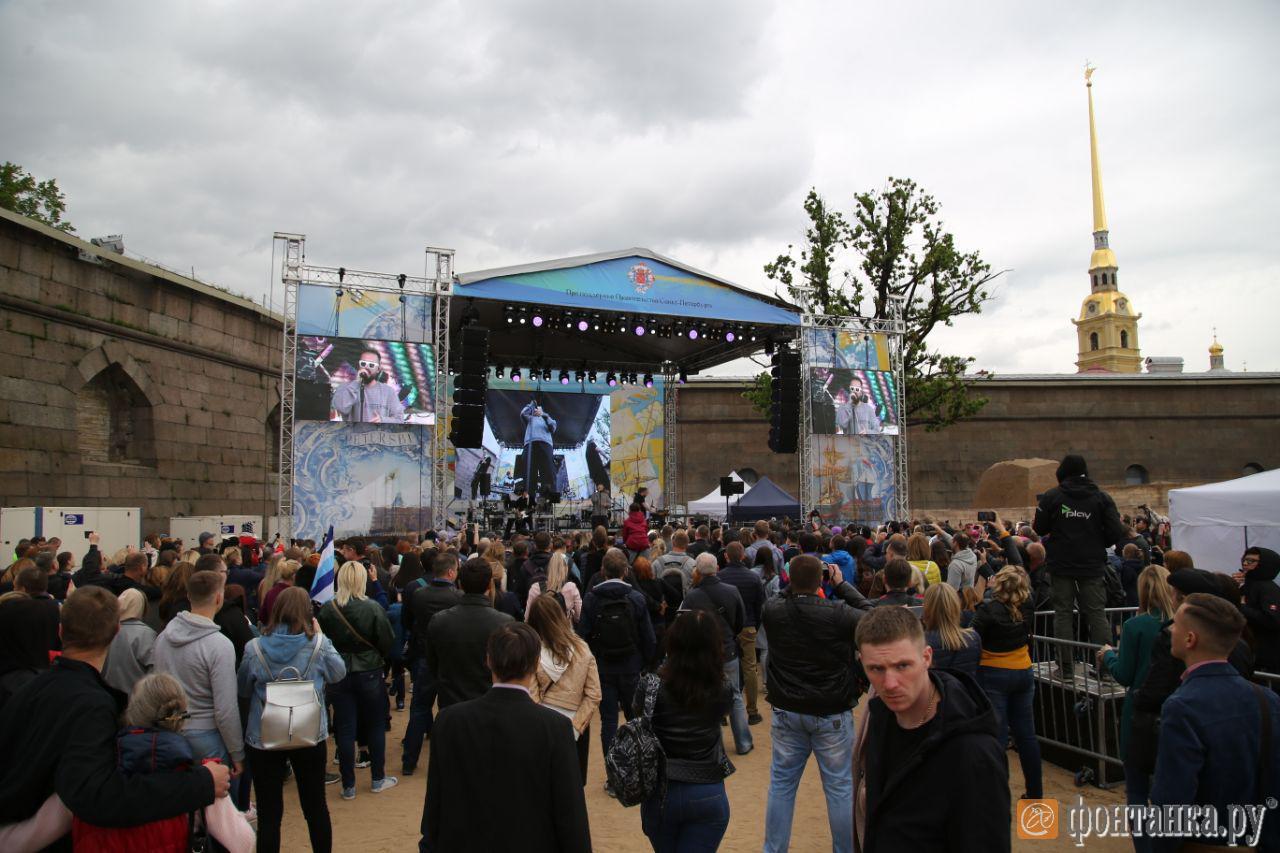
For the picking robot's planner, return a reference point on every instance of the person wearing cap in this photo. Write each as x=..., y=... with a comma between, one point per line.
x=207, y=544
x=1079, y=522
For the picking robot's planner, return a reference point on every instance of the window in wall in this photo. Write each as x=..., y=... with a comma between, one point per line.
x=1093, y=340
x=113, y=420
x=1124, y=339
x=1136, y=475
x=1252, y=468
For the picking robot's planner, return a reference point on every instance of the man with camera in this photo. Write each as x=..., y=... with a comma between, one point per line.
x=368, y=398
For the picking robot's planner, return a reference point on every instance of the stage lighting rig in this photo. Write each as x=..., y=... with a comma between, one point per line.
x=564, y=377
x=591, y=376
x=612, y=379
x=648, y=380
x=515, y=374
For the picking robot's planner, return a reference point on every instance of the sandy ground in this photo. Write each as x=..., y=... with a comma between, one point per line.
x=389, y=821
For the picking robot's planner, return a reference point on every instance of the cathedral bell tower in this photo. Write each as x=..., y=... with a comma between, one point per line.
x=1108, y=324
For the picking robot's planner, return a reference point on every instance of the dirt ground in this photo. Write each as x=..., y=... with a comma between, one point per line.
x=372, y=823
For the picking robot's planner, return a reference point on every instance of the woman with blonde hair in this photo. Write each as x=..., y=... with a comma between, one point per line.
x=130, y=653
x=918, y=557
x=1131, y=663
x=363, y=636
x=1004, y=624
x=557, y=575
x=567, y=680
x=495, y=554
x=954, y=647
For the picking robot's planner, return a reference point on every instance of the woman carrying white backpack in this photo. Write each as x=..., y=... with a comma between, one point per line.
x=291, y=647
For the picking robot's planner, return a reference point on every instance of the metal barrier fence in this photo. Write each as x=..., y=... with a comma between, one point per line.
x=1078, y=715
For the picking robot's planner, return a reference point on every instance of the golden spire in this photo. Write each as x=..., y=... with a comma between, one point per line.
x=1215, y=348
x=1099, y=210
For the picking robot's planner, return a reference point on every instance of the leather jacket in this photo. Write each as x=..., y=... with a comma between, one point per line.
x=691, y=739
x=811, y=664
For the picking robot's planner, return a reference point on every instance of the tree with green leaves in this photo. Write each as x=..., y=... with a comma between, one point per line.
x=39, y=200
x=901, y=249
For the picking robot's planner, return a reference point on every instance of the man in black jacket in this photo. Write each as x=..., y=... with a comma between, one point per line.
x=710, y=593
x=810, y=684
x=58, y=735
x=925, y=726
x=1079, y=521
x=424, y=602
x=534, y=569
x=751, y=588
x=500, y=742
x=1260, y=603
x=456, y=637
x=615, y=623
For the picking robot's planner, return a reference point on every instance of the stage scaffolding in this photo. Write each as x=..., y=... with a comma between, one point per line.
x=437, y=284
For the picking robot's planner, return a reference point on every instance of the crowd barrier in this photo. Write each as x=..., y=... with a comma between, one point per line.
x=1078, y=718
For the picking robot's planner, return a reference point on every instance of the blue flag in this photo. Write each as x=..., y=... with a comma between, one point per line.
x=322, y=586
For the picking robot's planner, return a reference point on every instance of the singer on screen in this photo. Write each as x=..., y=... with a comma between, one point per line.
x=368, y=398
x=540, y=462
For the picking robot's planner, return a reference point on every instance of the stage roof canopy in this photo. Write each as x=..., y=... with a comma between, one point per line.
x=589, y=310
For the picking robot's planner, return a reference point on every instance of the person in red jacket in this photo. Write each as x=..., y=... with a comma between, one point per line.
x=635, y=531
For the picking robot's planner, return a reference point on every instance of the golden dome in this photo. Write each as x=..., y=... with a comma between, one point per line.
x=1216, y=348
x=1106, y=302
x=1102, y=258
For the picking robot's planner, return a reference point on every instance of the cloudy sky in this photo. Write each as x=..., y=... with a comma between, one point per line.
x=516, y=131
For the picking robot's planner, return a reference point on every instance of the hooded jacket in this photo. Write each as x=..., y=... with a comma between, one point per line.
x=531, y=570
x=1079, y=521
x=194, y=650
x=1261, y=608
x=962, y=735
x=635, y=532
x=281, y=650
x=130, y=656
x=613, y=589
x=962, y=571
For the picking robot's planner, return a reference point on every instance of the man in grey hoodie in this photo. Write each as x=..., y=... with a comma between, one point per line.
x=193, y=650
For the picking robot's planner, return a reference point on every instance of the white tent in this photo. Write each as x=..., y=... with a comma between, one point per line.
x=713, y=504
x=1217, y=522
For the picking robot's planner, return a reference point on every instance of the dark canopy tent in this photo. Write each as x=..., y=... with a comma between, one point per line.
x=765, y=500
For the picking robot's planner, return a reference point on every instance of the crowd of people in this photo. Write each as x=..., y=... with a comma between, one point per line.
x=141, y=688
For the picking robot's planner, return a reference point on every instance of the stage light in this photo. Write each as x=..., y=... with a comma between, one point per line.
x=633, y=379
x=583, y=325
x=497, y=372
x=730, y=337
x=768, y=347
x=537, y=321
x=564, y=377
x=401, y=279
x=693, y=334
x=546, y=374
x=640, y=330
x=684, y=377
x=515, y=374
x=612, y=379
x=591, y=377
x=648, y=380
x=578, y=376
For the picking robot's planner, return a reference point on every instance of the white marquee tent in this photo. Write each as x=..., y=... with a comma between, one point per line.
x=713, y=504
x=1215, y=523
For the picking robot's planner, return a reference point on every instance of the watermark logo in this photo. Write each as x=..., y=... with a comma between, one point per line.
x=1068, y=512
x=1037, y=819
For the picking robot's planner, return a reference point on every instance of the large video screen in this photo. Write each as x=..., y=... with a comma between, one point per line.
x=356, y=380
x=539, y=441
x=349, y=312
x=853, y=402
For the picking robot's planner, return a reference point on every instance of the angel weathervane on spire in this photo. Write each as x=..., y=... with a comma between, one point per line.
x=1088, y=73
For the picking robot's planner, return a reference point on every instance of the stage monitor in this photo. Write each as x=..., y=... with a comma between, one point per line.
x=357, y=380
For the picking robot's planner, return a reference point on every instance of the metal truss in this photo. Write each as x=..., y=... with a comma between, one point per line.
x=295, y=255
x=439, y=271
x=670, y=458
x=897, y=358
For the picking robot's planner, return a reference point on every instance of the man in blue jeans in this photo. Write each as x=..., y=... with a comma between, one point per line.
x=615, y=623
x=811, y=686
x=424, y=601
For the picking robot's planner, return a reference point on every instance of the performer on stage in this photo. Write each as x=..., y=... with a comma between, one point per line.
x=864, y=413
x=480, y=481
x=540, y=474
x=642, y=495
x=600, y=502
x=368, y=398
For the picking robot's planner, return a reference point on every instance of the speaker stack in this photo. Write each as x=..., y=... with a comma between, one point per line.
x=469, y=386
x=784, y=409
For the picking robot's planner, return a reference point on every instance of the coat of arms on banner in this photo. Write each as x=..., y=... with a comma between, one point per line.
x=642, y=277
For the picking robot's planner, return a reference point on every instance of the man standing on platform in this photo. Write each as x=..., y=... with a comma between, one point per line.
x=480, y=481
x=540, y=466
x=600, y=501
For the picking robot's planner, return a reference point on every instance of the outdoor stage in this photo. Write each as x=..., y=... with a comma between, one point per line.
x=601, y=343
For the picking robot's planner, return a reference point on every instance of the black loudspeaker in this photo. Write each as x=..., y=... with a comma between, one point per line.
x=784, y=408
x=730, y=486
x=469, y=387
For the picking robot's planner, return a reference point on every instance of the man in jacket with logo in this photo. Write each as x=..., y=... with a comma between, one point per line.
x=810, y=684
x=424, y=602
x=615, y=623
x=1079, y=522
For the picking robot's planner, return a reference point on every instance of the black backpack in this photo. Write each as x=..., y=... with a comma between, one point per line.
x=636, y=764
x=558, y=596
x=614, y=633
